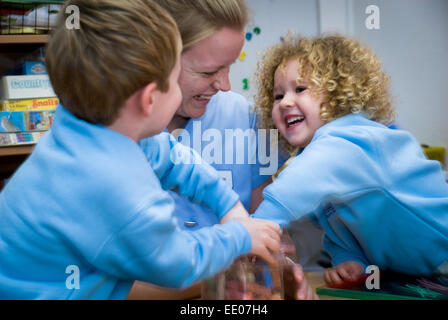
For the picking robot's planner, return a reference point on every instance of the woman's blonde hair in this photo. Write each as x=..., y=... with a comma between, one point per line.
x=120, y=47
x=198, y=19
x=346, y=74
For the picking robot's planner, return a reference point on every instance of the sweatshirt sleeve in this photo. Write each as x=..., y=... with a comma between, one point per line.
x=327, y=168
x=339, y=254
x=151, y=248
x=181, y=168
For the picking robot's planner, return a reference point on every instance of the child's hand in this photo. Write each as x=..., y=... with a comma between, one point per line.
x=238, y=212
x=296, y=285
x=348, y=271
x=265, y=237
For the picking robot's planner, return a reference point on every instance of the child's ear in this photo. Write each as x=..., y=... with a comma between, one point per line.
x=148, y=97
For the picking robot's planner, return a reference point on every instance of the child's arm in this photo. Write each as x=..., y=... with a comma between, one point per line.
x=348, y=266
x=181, y=168
x=238, y=212
x=265, y=237
x=151, y=248
x=323, y=171
x=345, y=272
x=339, y=254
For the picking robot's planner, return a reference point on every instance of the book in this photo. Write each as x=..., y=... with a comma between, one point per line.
x=435, y=153
x=21, y=121
x=7, y=11
x=393, y=286
x=23, y=30
x=26, y=87
x=20, y=138
x=42, y=16
x=29, y=104
x=27, y=68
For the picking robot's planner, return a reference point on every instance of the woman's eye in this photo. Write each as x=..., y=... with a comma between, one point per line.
x=208, y=74
x=300, y=89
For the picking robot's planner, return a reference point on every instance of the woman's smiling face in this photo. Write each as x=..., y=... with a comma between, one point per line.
x=205, y=69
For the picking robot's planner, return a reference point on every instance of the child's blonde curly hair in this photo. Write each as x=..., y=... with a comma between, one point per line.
x=347, y=75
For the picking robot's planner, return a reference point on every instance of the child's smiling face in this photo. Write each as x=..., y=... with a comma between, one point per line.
x=296, y=112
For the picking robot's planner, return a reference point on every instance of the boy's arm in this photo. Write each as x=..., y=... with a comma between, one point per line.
x=238, y=212
x=181, y=168
x=151, y=248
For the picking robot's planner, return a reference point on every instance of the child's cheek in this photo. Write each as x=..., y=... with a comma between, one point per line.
x=277, y=118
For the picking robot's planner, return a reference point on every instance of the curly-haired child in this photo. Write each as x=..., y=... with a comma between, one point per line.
x=377, y=198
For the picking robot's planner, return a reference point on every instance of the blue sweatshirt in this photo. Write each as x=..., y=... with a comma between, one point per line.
x=88, y=200
x=376, y=196
x=235, y=156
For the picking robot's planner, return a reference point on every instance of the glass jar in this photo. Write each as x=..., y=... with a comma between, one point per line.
x=248, y=278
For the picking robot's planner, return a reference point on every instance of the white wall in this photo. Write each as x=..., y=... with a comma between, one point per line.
x=274, y=18
x=412, y=42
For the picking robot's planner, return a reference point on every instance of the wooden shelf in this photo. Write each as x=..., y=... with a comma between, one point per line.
x=13, y=48
x=16, y=150
x=24, y=38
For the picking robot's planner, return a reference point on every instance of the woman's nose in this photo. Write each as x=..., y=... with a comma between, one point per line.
x=222, y=81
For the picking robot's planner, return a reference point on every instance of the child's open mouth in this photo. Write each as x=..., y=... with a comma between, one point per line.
x=292, y=121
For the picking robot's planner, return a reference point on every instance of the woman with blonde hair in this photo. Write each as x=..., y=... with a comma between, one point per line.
x=213, y=35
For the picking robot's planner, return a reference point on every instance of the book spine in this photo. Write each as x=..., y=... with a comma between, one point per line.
x=26, y=87
x=20, y=138
x=29, y=104
x=21, y=121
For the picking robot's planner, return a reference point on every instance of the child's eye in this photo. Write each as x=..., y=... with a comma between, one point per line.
x=278, y=96
x=300, y=89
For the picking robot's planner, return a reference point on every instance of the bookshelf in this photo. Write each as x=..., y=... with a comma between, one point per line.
x=24, y=39
x=16, y=150
x=12, y=48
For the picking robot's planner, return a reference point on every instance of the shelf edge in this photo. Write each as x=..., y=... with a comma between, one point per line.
x=24, y=39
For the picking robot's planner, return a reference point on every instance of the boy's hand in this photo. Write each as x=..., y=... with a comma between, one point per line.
x=238, y=212
x=265, y=237
x=348, y=271
x=295, y=283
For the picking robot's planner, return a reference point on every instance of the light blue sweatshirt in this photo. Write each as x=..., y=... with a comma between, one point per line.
x=88, y=198
x=223, y=131
x=376, y=196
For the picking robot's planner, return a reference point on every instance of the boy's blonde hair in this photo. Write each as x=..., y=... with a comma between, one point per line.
x=121, y=47
x=347, y=75
x=198, y=19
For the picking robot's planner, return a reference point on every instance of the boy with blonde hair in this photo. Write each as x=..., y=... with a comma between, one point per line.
x=87, y=213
